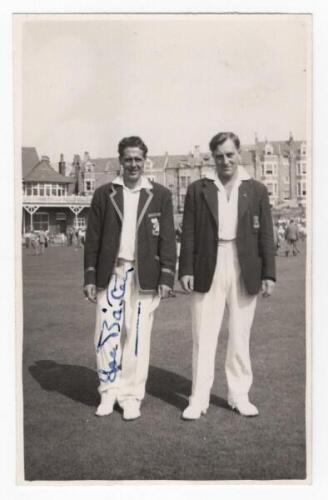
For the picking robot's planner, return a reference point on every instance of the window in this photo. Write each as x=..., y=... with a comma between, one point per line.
x=148, y=164
x=60, y=190
x=268, y=150
x=41, y=221
x=299, y=189
x=271, y=169
x=48, y=189
x=89, y=186
x=35, y=189
x=298, y=166
x=60, y=216
x=28, y=189
x=81, y=224
x=41, y=189
x=272, y=188
x=303, y=187
x=183, y=181
x=301, y=167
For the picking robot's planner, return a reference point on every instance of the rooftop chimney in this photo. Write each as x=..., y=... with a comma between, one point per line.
x=62, y=165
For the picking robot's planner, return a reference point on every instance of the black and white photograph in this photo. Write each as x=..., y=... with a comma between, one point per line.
x=163, y=167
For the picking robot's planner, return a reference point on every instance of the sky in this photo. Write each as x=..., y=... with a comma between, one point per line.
x=173, y=80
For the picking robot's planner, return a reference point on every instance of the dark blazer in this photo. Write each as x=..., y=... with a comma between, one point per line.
x=199, y=244
x=155, y=237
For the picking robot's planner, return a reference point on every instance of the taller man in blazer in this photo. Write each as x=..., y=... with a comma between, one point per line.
x=227, y=256
x=129, y=264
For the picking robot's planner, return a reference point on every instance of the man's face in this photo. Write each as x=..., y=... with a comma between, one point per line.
x=227, y=159
x=132, y=162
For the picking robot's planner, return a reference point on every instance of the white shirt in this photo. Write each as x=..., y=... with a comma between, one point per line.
x=228, y=208
x=129, y=225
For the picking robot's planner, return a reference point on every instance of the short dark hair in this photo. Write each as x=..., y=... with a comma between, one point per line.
x=222, y=137
x=132, y=142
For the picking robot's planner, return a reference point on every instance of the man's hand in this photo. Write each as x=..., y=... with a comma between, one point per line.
x=163, y=291
x=267, y=287
x=90, y=291
x=187, y=283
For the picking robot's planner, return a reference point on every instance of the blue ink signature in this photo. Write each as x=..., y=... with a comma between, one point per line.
x=137, y=335
x=111, y=334
x=118, y=293
x=112, y=328
x=110, y=375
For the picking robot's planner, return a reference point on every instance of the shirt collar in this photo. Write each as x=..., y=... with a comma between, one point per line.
x=242, y=175
x=144, y=184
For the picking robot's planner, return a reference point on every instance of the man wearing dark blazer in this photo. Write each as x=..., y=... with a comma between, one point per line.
x=227, y=256
x=129, y=263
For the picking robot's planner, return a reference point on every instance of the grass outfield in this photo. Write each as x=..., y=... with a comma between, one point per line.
x=63, y=439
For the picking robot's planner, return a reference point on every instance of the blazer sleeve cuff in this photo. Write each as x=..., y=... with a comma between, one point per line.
x=167, y=277
x=269, y=278
x=90, y=276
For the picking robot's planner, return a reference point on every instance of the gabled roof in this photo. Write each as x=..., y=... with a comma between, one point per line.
x=158, y=161
x=104, y=178
x=29, y=159
x=43, y=172
x=246, y=157
x=106, y=165
x=279, y=147
x=175, y=160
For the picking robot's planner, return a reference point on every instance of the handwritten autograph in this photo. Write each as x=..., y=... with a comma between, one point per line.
x=111, y=326
x=110, y=374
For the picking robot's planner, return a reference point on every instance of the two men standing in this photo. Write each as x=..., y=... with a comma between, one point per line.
x=227, y=255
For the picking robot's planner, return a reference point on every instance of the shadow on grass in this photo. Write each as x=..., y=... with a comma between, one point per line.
x=80, y=383
x=174, y=389
x=76, y=382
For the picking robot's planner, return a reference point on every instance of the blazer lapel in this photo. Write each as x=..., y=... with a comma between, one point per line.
x=116, y=197
x=243, y=198
x=210, y=193
x=146, y=195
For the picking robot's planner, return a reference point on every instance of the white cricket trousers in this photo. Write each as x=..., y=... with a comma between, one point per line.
x=207, y=314
x=122, y=335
